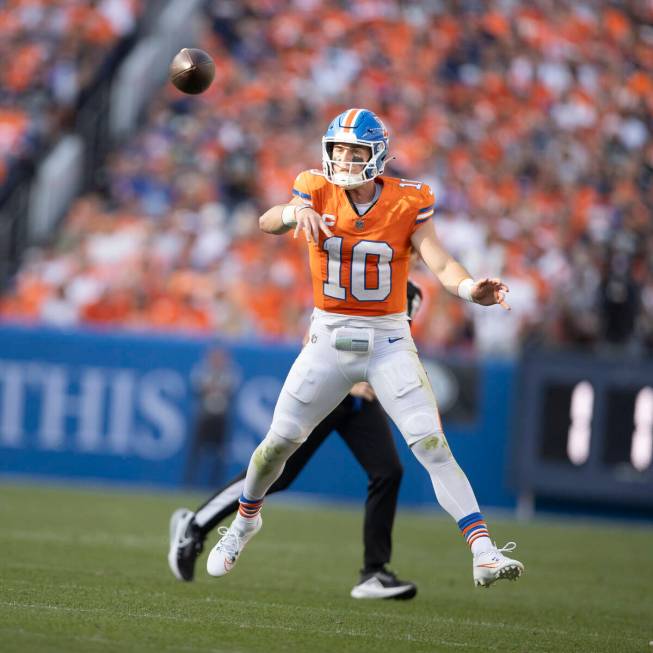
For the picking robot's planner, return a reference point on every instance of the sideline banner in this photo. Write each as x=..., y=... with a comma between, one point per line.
x=176, y=411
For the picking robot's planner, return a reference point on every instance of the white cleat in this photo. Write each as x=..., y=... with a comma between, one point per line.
x=224, y=555
x=493, y=565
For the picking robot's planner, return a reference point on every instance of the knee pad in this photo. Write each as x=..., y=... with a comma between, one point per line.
x=273, y=451
x=286, y=427
x=419, y=424
x=432, y=450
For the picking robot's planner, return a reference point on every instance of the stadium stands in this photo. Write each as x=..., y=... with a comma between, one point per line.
x=51, y=52
x=531, y=121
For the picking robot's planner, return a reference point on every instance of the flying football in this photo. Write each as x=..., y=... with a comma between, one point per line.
x=192, y=70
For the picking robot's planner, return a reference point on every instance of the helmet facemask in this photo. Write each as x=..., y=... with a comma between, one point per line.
x=351, y=177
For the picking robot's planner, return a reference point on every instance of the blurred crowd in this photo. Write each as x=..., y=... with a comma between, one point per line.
x=530, y=120
x=50, y=51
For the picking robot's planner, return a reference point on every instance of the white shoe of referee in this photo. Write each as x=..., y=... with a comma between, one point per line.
x=383, y=584
x=224, y=555
x=492, y=565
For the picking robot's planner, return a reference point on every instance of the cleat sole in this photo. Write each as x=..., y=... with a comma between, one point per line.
x=513, y=572
x=510, y=572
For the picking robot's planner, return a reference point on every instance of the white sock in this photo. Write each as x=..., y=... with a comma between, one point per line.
x=244, y=525
x=452, y=489
x=481, y=545
x=266, y=464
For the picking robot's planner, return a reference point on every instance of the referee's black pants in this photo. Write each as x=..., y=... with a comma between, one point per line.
x=364, y=427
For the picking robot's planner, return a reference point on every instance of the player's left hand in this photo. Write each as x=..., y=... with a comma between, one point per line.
x=363, y=390
x=490, y=291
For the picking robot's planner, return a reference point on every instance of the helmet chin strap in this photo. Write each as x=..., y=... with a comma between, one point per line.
x=347, y=185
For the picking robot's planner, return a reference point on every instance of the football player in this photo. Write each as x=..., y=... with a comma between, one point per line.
x=361, y=228
x=364, y=427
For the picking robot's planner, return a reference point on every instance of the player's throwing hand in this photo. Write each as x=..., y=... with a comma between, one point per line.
x=490, y=291
x=311, y=223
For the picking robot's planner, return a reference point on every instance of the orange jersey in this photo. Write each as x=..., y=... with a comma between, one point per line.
x=363, y=268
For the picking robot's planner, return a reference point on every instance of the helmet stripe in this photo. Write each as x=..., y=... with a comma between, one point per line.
x=350, y=118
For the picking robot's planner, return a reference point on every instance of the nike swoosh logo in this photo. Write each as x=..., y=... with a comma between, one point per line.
x=395, y=339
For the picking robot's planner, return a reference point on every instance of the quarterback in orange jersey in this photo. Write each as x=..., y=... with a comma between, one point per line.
x=361, y=228
x=371, y=248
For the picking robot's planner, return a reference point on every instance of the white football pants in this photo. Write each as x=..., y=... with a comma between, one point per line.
x=322, y=376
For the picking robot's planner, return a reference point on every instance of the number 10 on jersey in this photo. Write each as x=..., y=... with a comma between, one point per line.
x=382, y=253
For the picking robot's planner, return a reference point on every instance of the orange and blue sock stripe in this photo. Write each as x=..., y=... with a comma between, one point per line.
x=249, y=508
x=472, y=527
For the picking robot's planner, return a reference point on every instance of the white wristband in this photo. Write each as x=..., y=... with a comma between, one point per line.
x=465, y=289
x=288, y=215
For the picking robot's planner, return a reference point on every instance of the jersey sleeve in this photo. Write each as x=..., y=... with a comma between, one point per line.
x=303, y=189
x=425, y=205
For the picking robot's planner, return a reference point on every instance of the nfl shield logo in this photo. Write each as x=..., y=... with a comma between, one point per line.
x=360, y=224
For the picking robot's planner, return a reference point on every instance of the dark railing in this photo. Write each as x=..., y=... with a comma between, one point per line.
x=14, y=203
x=91, y=123
x=92, y=119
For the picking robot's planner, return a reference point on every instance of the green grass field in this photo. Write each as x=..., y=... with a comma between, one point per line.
x=86, y=571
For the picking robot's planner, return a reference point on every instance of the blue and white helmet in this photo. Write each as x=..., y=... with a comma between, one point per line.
x=357, y=127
